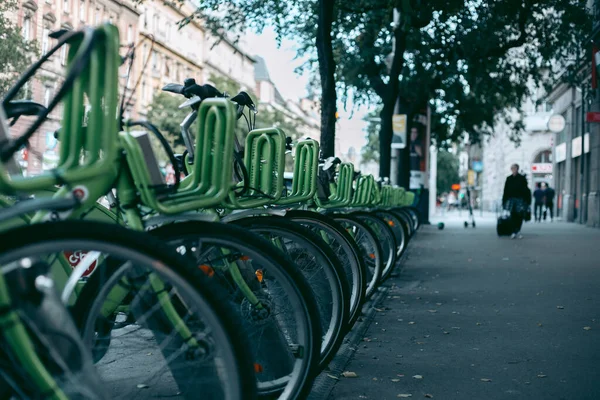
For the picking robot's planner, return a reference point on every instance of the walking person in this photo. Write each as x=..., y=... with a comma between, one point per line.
x=539, y=202
x=549, y=194
x=516, y=199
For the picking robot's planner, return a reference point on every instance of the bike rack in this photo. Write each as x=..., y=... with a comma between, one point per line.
x=86, y=153
x=264, y=159
x=210, y=177
x=341, y=191
x=306, y=167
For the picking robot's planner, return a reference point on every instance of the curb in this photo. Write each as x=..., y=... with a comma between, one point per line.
x=326, y=381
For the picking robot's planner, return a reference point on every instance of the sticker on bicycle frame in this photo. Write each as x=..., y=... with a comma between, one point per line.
x=75, y=257
x=81, y=192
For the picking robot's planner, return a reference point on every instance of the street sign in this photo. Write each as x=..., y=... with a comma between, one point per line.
x=556, y=123
x=471, y=177
x=399, y=128
x=455, y=186
x=592, y=117
x=560, y=152
x=541, y=168
x=477, y=166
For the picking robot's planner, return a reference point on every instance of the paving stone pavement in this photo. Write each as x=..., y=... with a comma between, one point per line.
x=474, y=316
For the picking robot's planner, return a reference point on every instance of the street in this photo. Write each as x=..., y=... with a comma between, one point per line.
x=474, y=316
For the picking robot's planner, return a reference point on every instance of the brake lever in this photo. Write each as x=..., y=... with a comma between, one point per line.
x=191, y=102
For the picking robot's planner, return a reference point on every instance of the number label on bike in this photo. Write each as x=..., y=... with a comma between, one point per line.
x=75, y=257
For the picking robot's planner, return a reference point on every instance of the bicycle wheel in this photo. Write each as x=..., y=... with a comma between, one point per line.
x=321, y=268
x=385, y=237
x=346, y=250
x=405, y=223
x=370, y=249
x=273, y=303
x=395, y=223
x=408, y=218
x=41, y=352
x=123, y=305
x=412, y=215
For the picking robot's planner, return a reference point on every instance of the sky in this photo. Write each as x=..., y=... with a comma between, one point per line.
x=281, y=62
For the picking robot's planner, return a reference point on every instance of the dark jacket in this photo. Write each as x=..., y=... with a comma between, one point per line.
x=538, y=195
x=516, y=188
x=549, y=195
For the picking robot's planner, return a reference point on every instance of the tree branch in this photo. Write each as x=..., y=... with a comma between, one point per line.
x=397, y=61
x=519, y=41
x=372, y=68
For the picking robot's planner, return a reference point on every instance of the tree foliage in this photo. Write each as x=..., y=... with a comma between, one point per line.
x=164, y=112
x=473, y=61
x=16, y=53
x=370, y=151
x=447, y=170
x=267, y=115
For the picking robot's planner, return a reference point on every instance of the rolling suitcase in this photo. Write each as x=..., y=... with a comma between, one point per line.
x=504, y=224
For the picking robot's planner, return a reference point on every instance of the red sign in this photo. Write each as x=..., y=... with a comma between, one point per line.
x=455, y=186
x=541, y=168
x=74, y=257
x=592, y=117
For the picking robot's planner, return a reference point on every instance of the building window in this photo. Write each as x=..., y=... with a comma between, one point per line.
x=63, y=55
x=26, y=30
x=144, y=94
x=154, y=60
x=66, y=6
x=97, y=17
x=130, y=34
x=543, y=157
x=82, y=10
x=25, y=93
x=45, y=40
x=168, y=31
x=155, y=20
x=47, y=95
x=578, y=125
x=167, y=67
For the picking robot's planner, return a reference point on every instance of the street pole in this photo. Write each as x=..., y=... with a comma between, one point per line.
x=432, y=180
x=582, y=159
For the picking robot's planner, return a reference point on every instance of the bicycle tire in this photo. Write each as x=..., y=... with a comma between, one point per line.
x=404, y=223
x=41, y=353
x=333, y=295
x=386, y=239
x=347, y=252
x=50, y=237
x=408, y=218
x=395, y=224
x=369, y=246
x=299, y=385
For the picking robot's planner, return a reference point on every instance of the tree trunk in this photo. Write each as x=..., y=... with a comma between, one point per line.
x=327, y=73
x=403, y=172
x=385, y=139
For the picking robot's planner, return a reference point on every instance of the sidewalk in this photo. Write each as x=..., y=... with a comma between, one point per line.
x=474, y=316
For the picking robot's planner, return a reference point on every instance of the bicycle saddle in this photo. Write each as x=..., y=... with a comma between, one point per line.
x=190, y=89
x=331, y=162
x=243, y=99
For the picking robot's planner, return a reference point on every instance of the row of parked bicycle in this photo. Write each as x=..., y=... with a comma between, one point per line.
x=232, y=283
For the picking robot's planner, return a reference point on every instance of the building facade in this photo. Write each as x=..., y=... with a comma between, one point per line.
x=164, y=54
x=304, y=112
x=167, y=54
x=39, y=18
x=533, y=154
x=576, y=150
